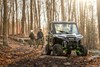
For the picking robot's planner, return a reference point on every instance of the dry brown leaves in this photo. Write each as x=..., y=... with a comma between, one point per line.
x=17, y=55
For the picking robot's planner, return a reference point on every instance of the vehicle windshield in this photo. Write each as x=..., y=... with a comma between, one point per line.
x=66, y=28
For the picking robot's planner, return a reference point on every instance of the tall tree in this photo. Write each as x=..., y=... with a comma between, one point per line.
x=23, y=18
x=16, y=16
x=31, y=14
x=73, y=16
x=35, y=16
x=48, y=9
x=9, y=14
x=69, y=9
x=13, y=23
x=5, y=43
x=28, y=20
x=0, y=18
x=52, y=10
x=82, y=19
x=98, y=11
x=62, y=10
x=39, y=9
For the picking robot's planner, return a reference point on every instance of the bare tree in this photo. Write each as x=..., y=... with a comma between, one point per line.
x=82, y=19
x=9, y=14
x=39, y=9
x=5, y=43
x=16, y=16
x=1, y=18
x=69, y=9
x=31, y=14
x=23, y=18
x=48, y=9
x=13, y=22
x=62, y=10
x=28, y=19
x=98, y=11
x=73, y=16
x=35, y=16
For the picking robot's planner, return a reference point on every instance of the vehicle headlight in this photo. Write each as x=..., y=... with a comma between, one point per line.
x=74, y=34
x=80, y=36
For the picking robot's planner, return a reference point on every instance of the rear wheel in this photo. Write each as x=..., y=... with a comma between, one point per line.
x=57, y=50
x=81, y=51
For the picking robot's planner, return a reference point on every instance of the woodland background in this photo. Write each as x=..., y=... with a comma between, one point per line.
x=18, y=17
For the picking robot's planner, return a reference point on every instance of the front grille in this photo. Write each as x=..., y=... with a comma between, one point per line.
x=71, y=38
x=72, y=42
x=70, y=35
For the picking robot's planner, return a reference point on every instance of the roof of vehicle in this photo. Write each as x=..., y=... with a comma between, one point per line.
x=70, y=22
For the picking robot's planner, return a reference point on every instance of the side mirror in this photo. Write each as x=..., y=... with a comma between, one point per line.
x=50, y=32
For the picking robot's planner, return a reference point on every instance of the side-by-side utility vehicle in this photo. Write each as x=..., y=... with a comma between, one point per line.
x=62, y=38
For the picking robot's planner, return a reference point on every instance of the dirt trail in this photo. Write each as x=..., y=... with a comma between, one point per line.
x=19, y=55
x=17, y=52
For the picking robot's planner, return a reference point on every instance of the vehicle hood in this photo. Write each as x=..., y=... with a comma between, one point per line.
x=78, y=36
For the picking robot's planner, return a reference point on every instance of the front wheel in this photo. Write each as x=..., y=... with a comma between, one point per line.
x=81, y=50
x=57, y=50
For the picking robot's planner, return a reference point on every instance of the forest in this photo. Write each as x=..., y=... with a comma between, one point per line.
x=19, y=17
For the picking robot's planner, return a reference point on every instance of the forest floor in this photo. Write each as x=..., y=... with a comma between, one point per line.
x=19, y=55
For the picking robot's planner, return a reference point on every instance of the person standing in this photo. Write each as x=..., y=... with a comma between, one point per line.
x=40, y=38
x=32, y=38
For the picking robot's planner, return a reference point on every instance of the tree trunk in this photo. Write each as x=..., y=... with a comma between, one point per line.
x=82, y=20
x=0, y=18
x=48, y=9
x=35, y=17
x=28, y=20
x=73, y=17
x=17, y=28
x=39, y=9
x=9, y=18
x=92, y=29
x=13, y=23
x=5, y=38
x=23, y=18
x=62, y=11
x=31, y=14
x=98, y=11
x=54, y=11
x=69, y=10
